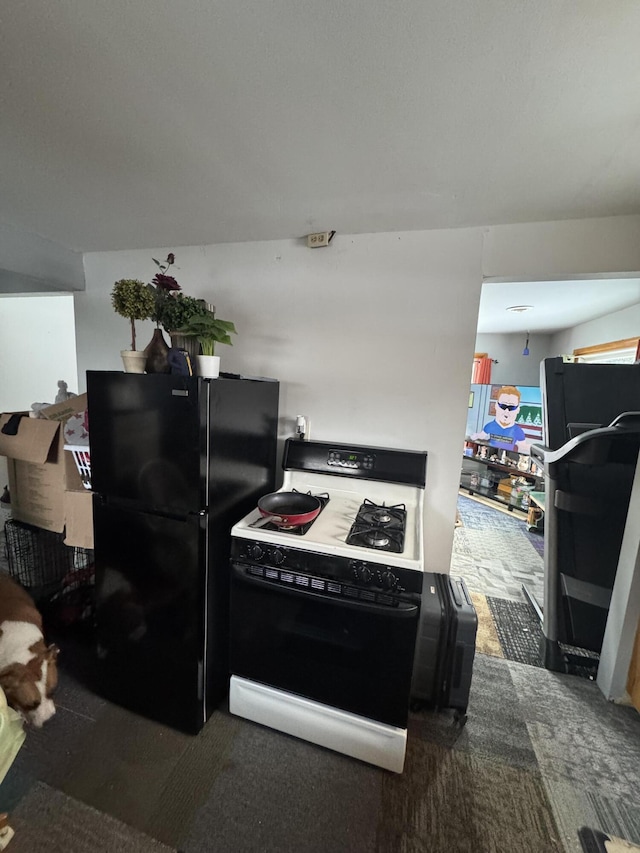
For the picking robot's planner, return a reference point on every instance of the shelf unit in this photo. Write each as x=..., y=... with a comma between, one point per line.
x=487, y=477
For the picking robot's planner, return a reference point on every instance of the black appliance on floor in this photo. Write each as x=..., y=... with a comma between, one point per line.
x=588, y=483
x=176, y=461
x=445, y=646
x=577, y=397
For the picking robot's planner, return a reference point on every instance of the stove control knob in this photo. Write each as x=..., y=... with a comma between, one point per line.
x=277, y=557
x=256, y=552
x=361, y=571
x=388, y=580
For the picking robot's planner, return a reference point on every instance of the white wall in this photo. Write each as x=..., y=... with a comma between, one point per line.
x=572, y=248
x=372, y=337
x=613, y=327
x=513, y=368
x=37, y=348
x=31, y=264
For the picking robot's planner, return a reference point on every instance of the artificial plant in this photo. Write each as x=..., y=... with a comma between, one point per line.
x=178, y=309
x=208, y=330
x=132, y=299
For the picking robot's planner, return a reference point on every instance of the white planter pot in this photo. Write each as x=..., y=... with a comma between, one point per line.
x=134, y=360
x=208, y=366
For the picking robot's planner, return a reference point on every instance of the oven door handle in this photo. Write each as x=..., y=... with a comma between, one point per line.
x=404, y=610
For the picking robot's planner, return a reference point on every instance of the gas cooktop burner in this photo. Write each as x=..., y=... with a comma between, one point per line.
x=382, y=516
x=379, y=526
x=377, y=538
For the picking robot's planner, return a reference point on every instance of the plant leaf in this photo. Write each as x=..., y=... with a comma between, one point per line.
x=227, y=325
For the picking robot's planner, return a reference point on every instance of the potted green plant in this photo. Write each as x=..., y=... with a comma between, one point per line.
x=209, y=331
x=177, y=311
x=131, y=299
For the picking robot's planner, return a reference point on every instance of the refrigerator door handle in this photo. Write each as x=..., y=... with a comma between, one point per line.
x=201, y=680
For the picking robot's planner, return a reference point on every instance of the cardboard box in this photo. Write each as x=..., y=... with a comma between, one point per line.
x=78, y=516
x=40, y=471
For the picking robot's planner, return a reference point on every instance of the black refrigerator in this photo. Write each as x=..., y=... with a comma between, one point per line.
x=578, y=397
x=175, y=462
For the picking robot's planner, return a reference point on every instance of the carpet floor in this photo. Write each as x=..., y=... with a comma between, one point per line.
x=48, y=821
x=508, y=625
x=495, y=552
x=542, y=754
x=98, y=775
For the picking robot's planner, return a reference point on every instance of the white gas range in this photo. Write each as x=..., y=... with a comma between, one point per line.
x=324, y=616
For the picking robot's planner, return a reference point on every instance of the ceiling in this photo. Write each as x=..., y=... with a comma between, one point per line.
x=555, y=305
x=183, y=122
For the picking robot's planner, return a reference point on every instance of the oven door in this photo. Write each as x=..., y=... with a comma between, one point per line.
x=353, y=655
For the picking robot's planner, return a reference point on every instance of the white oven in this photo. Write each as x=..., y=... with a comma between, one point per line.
x=324, y=616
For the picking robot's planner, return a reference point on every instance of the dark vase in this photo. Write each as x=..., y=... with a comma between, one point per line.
x=157, y=353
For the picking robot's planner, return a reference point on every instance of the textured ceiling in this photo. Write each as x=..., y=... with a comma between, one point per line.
x=181, y=122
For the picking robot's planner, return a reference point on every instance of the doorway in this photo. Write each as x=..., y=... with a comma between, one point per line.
x=499, y=538
x=37, y=350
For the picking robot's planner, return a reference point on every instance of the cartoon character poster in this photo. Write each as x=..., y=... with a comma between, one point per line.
x=508, y=427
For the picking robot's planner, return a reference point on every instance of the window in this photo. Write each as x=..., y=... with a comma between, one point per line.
x=614, y=352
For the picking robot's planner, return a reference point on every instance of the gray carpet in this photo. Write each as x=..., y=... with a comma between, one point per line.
x=541, y=755
x=452, y=801
x=588, y=750
x=47, y=821
x=495, y=552
x=241, y=787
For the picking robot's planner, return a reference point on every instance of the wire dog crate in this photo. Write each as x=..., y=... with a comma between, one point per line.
x=74, y=601
x=39, y=560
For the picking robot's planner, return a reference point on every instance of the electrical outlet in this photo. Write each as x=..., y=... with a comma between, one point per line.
x=320, y=239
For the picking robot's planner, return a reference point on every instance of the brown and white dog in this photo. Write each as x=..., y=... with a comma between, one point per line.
x=28, y=669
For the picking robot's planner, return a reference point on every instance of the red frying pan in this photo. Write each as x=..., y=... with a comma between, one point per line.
x=289, y=509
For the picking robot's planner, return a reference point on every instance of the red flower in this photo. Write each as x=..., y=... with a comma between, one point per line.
x=171, y=258
x=165, y=282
